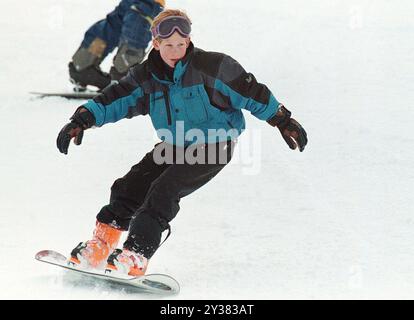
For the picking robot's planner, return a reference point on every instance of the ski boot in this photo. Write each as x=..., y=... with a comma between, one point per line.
x=92, y=75
x=93, y=253
x=126, y=262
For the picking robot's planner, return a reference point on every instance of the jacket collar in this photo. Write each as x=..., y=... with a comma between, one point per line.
x=163, y=72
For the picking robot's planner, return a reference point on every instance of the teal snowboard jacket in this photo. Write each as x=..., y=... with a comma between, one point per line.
x=199, y=101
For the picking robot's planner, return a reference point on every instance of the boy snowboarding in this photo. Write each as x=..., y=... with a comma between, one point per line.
x=192, y=97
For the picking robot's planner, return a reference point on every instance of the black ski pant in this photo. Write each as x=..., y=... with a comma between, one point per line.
x=147, y=198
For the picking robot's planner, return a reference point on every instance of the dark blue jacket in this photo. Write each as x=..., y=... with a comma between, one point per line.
x=205, y=92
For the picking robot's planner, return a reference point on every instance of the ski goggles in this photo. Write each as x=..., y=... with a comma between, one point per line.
x=171, y=24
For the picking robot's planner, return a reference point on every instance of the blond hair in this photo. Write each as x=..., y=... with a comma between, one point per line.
x=168, y=13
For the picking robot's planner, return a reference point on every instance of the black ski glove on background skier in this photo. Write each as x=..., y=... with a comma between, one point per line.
x=80, y=121
x=292, y=132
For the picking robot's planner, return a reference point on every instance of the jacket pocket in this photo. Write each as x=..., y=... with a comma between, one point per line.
x=159, y=111
x=195, y=107
x=167, y=106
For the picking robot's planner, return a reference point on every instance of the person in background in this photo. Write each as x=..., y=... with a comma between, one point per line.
x=127, y=28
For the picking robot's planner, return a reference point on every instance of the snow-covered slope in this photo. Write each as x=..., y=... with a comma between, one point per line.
x=335, y=221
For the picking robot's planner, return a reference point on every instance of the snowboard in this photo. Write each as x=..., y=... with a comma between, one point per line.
x=152, y=283
x=85, y=95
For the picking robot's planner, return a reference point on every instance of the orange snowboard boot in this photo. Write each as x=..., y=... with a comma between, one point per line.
x=126, y=262
x=93, y=253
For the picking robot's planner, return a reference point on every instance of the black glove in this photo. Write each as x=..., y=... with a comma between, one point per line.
x=292, y=132
x=80, y=121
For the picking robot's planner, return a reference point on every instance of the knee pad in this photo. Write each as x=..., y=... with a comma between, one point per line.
x=127, y=57
x=92, y=55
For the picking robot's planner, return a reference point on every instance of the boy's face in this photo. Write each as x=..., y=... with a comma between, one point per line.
x=172, y=49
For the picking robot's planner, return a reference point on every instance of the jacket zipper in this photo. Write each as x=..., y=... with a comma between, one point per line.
x=167, y=107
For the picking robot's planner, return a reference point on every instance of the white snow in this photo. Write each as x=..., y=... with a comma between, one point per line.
x=335, y=221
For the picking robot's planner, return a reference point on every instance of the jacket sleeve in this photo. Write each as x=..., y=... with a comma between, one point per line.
x=244, y=91
x=125, y=99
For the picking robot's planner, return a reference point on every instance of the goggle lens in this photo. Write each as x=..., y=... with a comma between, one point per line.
x=171, y=24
